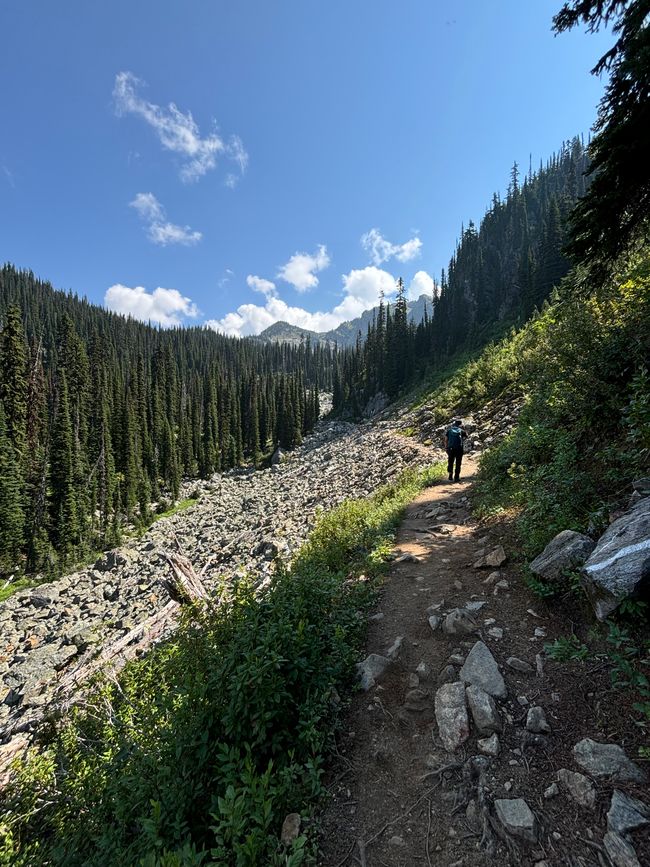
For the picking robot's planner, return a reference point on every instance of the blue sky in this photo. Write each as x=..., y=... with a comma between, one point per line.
x=244, y=161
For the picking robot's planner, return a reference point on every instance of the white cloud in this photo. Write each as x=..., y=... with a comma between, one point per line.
x=176, y=131
x=362, y=290
x=299, y=270
x=164, y=306
x=421, y=284
x=381, y=250
x=259, y=284
x=159, y=230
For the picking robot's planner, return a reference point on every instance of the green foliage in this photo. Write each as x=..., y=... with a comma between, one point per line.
x=567, y=649
x=169, y=510
x=203, y=746
x=581, y=434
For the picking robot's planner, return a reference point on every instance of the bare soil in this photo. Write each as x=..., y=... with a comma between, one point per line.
x=390, y=802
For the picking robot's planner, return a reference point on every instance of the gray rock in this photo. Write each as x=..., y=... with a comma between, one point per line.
x=451, y=715
x=568, y=550
x=519, y=665
x=620, y=852
x=552, y=791
x=459, y=622
x=371, y=669
x=484, y=711
x=620, y=563
x=396, y=646
x=44, y=595
x=476, y=605
x=480, y=669
x=290, y=828
x=447, y=674
x=417, y=700
x=434, y=622
x=494, y=558
x=642, y=486
x=607, y=760
x=580, y=788
x=517, y=818
x=626, y=814
x=490, y=746
x=536, y=721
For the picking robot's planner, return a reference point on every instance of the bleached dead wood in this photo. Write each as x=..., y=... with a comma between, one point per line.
x=184, y=587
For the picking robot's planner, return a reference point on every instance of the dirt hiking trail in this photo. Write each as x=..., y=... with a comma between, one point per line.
x=398, y=797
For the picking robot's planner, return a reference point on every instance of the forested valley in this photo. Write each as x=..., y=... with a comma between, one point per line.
x=101, y=417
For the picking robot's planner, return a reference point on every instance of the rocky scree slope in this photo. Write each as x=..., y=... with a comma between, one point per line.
x=242, y=521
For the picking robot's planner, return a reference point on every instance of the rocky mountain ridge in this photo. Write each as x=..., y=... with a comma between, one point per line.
x=345, y=335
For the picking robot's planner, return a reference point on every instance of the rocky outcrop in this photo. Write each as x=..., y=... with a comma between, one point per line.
x=620, y=564
x=568, y=550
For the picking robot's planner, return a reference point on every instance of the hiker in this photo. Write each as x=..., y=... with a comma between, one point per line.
x=454, y=437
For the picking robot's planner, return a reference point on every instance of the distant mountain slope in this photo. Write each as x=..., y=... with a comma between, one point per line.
x=345, y=335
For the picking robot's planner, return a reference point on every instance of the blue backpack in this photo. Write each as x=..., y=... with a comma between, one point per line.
x=455, y=438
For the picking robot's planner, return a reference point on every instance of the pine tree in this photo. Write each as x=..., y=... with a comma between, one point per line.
x=13, y=378
x=63, y=501
x=12, y=517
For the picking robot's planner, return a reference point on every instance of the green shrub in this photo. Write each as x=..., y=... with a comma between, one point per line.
x=199, y=751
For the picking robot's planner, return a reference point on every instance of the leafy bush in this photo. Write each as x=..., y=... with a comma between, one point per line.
x=198, y=752
x=585, y=428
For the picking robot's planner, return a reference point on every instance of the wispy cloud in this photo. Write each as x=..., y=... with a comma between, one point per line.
x=177, y=132
x=381, y=250
x=301, y=269
x=9, y=175
x=166, y=307
x=159, y=229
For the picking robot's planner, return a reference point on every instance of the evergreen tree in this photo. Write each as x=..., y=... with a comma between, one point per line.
x=12, y=517
x=63, y=501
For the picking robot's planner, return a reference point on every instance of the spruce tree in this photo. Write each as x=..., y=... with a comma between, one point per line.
x=63, y=502
x=12, y=517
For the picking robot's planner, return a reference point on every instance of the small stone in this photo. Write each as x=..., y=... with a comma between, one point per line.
x=626, y=813
x=539, y=665
x=434, y=622
x=607, y=760
x=457, y=658
x=495, y=632
x=500, y=587
x=517, y=818
x=414, y=681
x=508, y=785
x=378, y=616
x=522, y=700
x=536, y=721
x=290, y=828
x=621, y=853
x=490, y=746
x=579, y=787
x=492, y=578
x=417, y=700
x=519, y=665
x=396, y=646
x=458, y=585
x=396, y=841
x=459, y=622
x=447, y=675
x=475, y=605
x=423, y=670
x=372, y=667
x=407, y=558
x=540, y=632
x=552, y=791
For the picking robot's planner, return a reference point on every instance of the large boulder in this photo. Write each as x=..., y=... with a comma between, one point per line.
x=567, y=550
x=607, y=760
x=451, y=715
x=620, y=564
